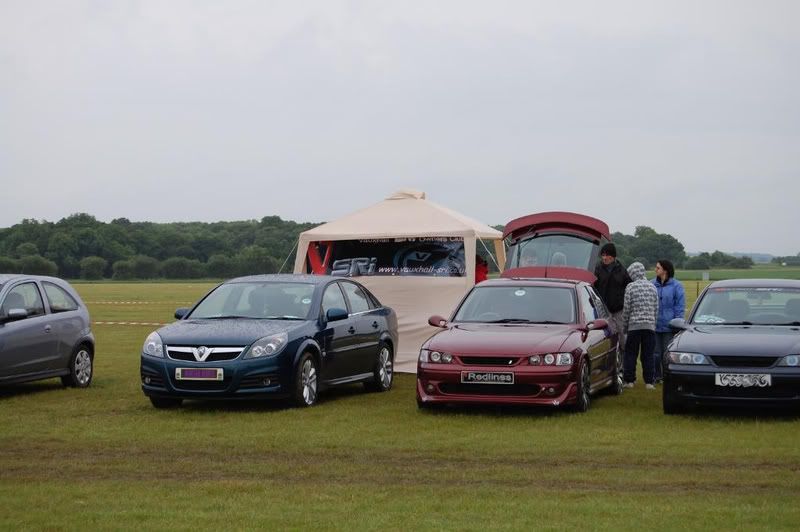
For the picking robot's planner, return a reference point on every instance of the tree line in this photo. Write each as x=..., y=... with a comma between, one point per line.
x=80, y=246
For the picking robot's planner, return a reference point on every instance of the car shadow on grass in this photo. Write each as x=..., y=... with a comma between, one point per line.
x=745, y=413
x=9, y=391
x=269, y=404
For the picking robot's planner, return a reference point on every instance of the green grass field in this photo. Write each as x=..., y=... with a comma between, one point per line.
x=103, y=458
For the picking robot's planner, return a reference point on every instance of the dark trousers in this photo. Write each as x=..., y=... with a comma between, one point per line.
x=662, y=341
x=639, y=342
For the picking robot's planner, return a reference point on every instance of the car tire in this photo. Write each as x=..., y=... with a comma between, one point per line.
x=584, y=400
x=618, y=384
x=306, y=382
x=81, y=368
x=383, y=372
x=166, y=402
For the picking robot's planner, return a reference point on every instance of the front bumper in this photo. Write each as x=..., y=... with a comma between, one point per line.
x=689, y=385
x=241, y=379
x=533, y=385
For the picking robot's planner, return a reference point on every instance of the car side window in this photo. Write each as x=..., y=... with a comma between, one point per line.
x=602, y=311
x=25, y=296
x=58, y=298
x=333, y=298
x=587, y=306
x=357, y=297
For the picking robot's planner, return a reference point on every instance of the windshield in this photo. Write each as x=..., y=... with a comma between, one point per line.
x=749, y=306
x=518, y=304
x=257, y=300
x=553, y=250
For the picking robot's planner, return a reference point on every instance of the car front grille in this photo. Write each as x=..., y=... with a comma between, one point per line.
x=488, y=361
x=490, y=389
x=743, y=362
x=202, y=385
x=186, y=353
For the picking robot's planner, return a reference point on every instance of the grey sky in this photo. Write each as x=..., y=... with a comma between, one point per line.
x=683, y=116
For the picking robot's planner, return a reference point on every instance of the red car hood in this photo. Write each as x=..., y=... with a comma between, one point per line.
x=501, y=339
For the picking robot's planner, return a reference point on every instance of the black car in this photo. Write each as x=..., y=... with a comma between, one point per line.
x=272, y=336
x=740, y=345
x=45, y=331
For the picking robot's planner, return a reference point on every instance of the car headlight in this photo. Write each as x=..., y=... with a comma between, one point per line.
x=551, y=359
x=790, y=360
x=268, y=346
x=153, y=346
x=694, y=359
x=426, y=355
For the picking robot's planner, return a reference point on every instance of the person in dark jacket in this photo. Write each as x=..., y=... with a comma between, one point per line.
x=671, y=304
x=612, y=278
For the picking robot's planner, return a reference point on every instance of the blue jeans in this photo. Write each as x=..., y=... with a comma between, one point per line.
x=639, y=342
x=662, y=341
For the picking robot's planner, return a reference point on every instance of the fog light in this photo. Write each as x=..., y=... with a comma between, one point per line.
x=430, y=388
x=267, y=382
x=147, y=380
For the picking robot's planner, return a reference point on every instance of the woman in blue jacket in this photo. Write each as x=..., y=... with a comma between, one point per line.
x=671, y=304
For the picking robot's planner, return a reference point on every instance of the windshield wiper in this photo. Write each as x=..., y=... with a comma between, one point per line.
x=737, y=323
x=223, y=317
x=790, y=323
x=510, y=320
x=551, y=322
x=283, y=318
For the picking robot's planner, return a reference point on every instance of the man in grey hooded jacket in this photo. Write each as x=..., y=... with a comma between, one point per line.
x=639, y=314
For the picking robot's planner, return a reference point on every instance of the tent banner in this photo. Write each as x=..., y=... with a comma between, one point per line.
x=438, y=256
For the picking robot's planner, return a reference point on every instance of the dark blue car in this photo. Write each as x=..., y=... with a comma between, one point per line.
x=272, y=336
x=740, y=346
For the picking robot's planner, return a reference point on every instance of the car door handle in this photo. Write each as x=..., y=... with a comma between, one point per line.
x=351, y=330
x=47, y=328
x=374, y=324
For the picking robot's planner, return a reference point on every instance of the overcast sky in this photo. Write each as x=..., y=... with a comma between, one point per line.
x=683, y=116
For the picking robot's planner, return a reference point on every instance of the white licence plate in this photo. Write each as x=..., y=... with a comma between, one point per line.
x=743, y=380
x=487, y=377
x=198, y=374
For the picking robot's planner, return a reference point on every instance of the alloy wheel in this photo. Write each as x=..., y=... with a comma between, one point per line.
x=308, y=382
x=83, y=367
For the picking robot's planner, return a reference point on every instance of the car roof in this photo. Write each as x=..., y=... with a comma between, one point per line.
x=286, y=278
x=6, y=277
x=756, y=283
x=532, y=281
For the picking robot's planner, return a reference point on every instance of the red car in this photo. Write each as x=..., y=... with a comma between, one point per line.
x=521, y=341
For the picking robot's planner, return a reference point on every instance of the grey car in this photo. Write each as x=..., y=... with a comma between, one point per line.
x=45, y=331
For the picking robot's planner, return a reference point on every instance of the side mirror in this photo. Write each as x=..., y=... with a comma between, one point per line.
x=15, y=314
x=336, y=314
x=678, y=323
x=181, y=313
x=437, y=321
x=594, y=325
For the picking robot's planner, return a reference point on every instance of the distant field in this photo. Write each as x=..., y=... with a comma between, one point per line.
x=766, y=271
x=103, y=458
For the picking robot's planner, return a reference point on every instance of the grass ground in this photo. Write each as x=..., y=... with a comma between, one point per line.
x=104, y=458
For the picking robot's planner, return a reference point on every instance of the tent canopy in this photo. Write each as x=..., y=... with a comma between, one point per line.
x=408, y=214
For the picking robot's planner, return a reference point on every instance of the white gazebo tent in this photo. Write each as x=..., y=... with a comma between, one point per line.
x=407, y=214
